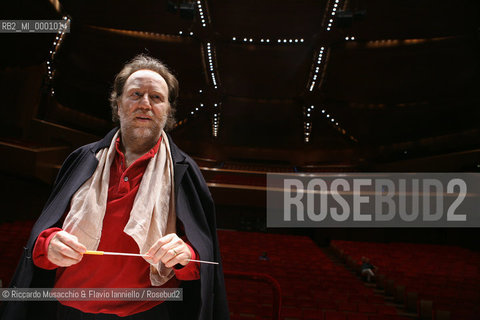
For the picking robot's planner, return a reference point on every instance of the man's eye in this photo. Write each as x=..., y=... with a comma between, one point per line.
x=137, y=94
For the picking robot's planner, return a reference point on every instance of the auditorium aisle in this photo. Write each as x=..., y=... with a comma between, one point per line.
x=435, y=281
x=312, y=286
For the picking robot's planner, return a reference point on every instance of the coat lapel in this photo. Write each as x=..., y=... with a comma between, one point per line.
x=179, y=164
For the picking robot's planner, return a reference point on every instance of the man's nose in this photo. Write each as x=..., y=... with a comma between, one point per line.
x=144, y=100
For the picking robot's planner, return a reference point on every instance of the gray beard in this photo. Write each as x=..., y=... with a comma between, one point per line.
x=142, y=139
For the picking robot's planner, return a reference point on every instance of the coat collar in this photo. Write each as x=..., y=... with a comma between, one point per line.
x=105, y=142
x=177, y=155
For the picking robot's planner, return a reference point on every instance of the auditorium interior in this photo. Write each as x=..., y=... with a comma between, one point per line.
x=286, y=86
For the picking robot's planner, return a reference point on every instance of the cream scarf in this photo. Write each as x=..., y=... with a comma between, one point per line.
x=152, y=215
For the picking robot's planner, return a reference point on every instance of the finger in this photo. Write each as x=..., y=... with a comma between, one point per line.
x=177, y=255
x=173, y=241
x=171, y=249
x=58, y=258
x=71, y=241
x=66, y=251
x=176, y=259
x=165, y=253
x=65, y=261
x=160, y=242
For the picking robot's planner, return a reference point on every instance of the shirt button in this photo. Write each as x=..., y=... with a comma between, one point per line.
x=125, y=179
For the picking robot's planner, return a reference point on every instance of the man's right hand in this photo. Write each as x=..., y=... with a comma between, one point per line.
x=64, y=249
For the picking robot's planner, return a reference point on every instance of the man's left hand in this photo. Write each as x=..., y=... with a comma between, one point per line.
x=170, y=250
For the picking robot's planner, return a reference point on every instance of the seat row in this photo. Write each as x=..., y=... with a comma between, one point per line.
x=432, y=280
x=312, y=285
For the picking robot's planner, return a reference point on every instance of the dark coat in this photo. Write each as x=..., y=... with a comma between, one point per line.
x=202, y=299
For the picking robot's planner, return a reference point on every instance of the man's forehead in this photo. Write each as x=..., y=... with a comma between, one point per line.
x=142, y=76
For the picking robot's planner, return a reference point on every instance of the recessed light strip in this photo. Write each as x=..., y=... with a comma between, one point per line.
x=55, y=47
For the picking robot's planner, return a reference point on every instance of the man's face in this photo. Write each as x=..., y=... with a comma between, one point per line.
x=143, y=107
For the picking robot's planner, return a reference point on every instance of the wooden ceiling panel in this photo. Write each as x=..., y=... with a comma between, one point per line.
x=77, y=65
x=400, y=73
x=145, y=15
x=257, y=124
x=264, y=71
x=413, y=19
x=287, y=18
x=412, y=72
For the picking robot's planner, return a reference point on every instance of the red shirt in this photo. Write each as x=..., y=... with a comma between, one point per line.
x=113, y=271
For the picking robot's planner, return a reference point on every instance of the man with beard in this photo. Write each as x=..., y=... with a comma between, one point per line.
x=134, y=191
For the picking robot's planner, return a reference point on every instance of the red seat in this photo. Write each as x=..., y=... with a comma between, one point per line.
x=347, y=306
x=367, y=308
x=383, y=309
x=312, y=314
x=357, y=316
x=335, y=315
x=290, y=312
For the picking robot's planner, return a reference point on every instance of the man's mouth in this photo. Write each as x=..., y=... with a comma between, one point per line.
x=143, y=118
